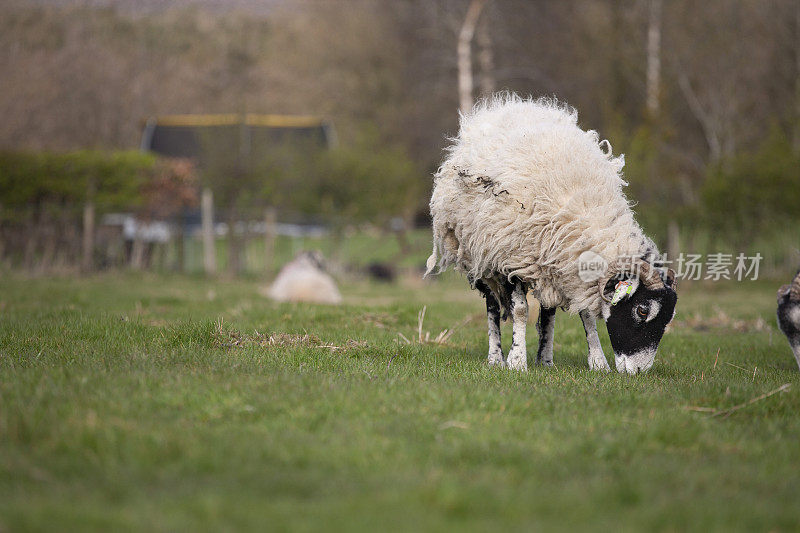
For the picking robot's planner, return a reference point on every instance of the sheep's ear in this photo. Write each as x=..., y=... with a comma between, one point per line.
x=783, y=292
x=668, y=277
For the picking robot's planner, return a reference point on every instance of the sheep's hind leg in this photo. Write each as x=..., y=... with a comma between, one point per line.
x=545, y=326
x=517, y=356
x=493, y=319
x=597, y=361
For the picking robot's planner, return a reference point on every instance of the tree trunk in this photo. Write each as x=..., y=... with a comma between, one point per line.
x=796, y=137
x=87, y=262
x=613, y=105
x=654, y=60
x=465, y=54
x=486, y=59
x=207, y=215
x=270, y=219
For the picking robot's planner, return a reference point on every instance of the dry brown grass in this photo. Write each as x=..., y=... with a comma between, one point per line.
x=231, y=338
x=424, y=337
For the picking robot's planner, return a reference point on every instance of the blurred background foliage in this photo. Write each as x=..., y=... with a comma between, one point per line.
x=717, y=154
x=754, y=191
x=114, y=179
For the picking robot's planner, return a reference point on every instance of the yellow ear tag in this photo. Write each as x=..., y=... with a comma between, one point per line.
x=622, y=289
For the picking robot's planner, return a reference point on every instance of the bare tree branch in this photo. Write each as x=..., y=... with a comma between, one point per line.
x=712, y=137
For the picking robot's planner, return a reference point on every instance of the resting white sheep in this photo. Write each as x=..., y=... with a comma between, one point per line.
x=522, y=195
x=304, y=280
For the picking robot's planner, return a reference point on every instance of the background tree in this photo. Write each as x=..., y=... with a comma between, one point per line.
x=729, y=74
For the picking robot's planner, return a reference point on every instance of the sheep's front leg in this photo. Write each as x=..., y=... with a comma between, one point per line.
x=597, y=361
x=517, y=356
x=493, y=319
x=546, y=325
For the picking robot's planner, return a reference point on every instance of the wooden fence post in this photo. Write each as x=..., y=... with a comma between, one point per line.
x=87, y=262
x=137, y=248
x=270, y=219
x=234, y=244
x=207, y=214
x=31, y=242
x=2, y=239
x=180, y=245
x=49, y=230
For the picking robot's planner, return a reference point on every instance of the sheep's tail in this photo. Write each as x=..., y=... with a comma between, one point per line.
x=430, y=264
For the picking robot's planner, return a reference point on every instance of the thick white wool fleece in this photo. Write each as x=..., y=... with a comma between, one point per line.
x=523, y=192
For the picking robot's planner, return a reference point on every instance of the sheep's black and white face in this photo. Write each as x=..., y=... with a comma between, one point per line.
x=789, y=317
x=636, y=324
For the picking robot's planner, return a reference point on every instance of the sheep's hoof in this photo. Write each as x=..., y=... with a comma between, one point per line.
x=544, y=362
x=598, y=362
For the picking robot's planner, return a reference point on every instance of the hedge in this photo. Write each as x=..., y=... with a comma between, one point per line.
x=112, y=180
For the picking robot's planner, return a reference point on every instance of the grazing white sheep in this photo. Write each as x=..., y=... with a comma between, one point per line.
x=789, y=314
x=304, y=280
x=522, y=195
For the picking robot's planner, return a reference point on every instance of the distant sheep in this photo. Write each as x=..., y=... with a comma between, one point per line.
x=522, y=196
x=304, y=280
x=789, y=314
x=383, y=272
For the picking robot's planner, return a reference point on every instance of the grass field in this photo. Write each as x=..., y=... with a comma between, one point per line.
x=131, y=402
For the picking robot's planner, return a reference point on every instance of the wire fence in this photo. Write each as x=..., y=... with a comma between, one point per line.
x=70, y=238
x=53, y=239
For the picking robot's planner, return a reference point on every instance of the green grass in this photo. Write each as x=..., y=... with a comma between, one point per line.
x=125, y=405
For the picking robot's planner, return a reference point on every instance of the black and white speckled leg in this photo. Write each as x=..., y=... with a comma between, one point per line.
x=796, y=349
x=597, y=361
x=546, y=326
x=517, y=356
x=493, y=320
